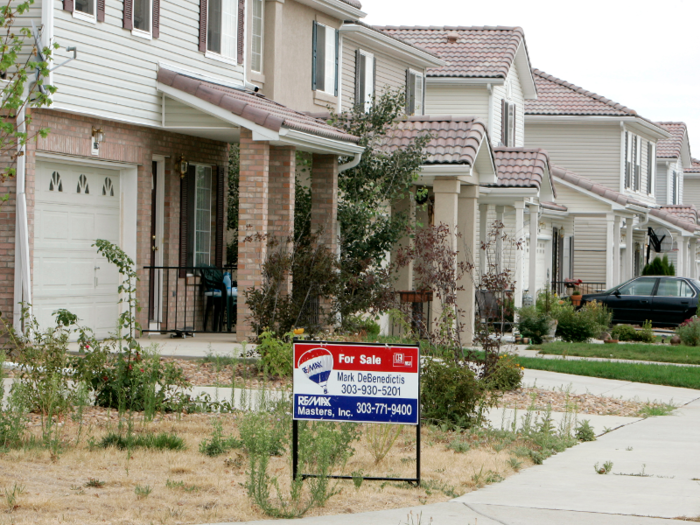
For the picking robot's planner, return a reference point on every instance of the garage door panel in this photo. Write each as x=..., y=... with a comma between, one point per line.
x=68, y=271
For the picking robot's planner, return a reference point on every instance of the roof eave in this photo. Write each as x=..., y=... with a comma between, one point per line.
x=335, y=8
x=392, y=46
x=527, y=80
x=651, y=128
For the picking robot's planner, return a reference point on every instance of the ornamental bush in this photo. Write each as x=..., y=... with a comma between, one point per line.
x=507, y=374
x=659, y=266
x=625, y=332
x=533, y=324
x=689, y=332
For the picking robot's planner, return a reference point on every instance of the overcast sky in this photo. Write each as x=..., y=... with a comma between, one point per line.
x=643, y=54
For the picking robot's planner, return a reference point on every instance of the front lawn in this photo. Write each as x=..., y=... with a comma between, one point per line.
x=643, y=352
x=668, y=375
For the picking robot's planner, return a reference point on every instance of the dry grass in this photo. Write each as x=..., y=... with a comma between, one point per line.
x=212, y=488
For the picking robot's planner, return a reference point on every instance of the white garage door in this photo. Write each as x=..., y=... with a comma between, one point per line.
x=74, y=207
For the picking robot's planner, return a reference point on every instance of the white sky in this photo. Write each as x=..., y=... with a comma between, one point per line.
x=643, y=54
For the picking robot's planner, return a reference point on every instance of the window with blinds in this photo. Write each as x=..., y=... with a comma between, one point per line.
x=364, y=79
x=508, y=116
x=222, y=27
x=415, y=92
x=256, y=59
x=325, y=59
x=651, y=164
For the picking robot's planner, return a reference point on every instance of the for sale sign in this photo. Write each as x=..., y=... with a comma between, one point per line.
x=363, y=383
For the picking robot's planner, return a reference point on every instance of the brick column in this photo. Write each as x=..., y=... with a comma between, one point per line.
x=280, y=219
x=252, y=218
x=324, y=199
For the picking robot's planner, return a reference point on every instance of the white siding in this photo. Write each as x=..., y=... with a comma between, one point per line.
x=591, y=150
x=516, y=97
x=391, y=72
x=661, y=184
x=457, y=100
x=691, y=194
x=664, y=181
x=589, y=249
x=115, y=74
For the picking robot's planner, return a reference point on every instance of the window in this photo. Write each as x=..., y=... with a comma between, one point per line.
x=85, y=6
x=325, y=59
x=628, y=160
x=508, y=115
x=675, y=189
x=651, y=164
x=202, y=216
x=142, y=15
x=414, y=92
x=364, y=79
x=674, y=288
x=222, y=27
x=642, y=286
x=637, y=158
x=257, y=30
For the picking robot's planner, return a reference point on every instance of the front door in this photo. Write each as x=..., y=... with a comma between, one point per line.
x=75, y=206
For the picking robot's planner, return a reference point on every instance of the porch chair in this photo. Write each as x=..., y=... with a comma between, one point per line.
x=214, y=291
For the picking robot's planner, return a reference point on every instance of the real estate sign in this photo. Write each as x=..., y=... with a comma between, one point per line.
x=364, y=383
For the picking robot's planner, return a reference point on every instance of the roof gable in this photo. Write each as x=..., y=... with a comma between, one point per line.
x=677, y=146
x=523, y=167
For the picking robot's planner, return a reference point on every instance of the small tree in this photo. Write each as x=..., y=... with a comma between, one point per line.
x=659, y=266
x=23, y=70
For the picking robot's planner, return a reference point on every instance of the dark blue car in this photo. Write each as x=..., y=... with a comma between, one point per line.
x=665, y=301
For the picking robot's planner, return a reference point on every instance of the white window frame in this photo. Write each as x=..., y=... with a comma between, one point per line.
x=260, y=3
x=197, y=227
x=510, y=132
x=330, y=72
x=651, y=169
x=148, y=35
x=84, y=16
x=419, y=82
x=369, y=80
x=629, y=161
x=221, y=56
x=637, y=164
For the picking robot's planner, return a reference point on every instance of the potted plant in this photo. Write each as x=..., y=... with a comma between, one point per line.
x=576, y=297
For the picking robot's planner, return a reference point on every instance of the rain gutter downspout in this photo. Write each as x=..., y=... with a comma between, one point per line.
x=23, y=284
x=352, y=164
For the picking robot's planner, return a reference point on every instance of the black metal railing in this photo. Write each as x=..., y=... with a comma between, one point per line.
x=566, y=287
x=188, y=300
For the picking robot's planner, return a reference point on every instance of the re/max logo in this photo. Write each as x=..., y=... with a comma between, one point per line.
x=306, y=401
x=311, y=367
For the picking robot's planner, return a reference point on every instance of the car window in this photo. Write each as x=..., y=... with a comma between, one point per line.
x=642, y=286
x=674, y=288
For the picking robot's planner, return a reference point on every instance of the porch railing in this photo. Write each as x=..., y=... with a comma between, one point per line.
x=566, y=287
x=188, y=300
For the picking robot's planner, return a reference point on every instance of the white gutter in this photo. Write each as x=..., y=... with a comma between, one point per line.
x=349, y=165
x=23, y=283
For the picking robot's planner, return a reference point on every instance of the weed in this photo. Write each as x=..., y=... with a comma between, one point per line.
x=180, y=485
x=236, y=462
x=218, y=444
x=493, y=477
x=458, y=445
x=357, y=479
x=584, y=431
x=142, y=491
x=432, y=485
x=641, y=474
x=162, y=441
x=629, y=449
x=381, y=439
x=94, y=483
x=651, y=410
x=515, y=464
x=418, y=521
x=605, y=469
x=12, y=495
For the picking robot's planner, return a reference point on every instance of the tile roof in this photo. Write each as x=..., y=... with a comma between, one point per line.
x=553, y=206
x=354, y=3
x=558, y=97
x=387, y=34
x=671, y=148
x=521, y=167
x=686, y=212
x=252, y=106
x=455, y=140
x=665, y=215
x=470, y=52
x=694, y=167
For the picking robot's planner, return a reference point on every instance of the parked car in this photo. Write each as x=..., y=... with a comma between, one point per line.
x=665, y=301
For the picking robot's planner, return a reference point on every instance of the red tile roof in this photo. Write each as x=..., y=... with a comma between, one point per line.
x=389, y=35
x=470, y=52
x=455, y=140
x=694, y=168
x=558, y=97
x=252, y=106
x=686, y=212
x=664, y=214
x=521, y=167
x=671, y=148
x=553, y=206
x=354, y=3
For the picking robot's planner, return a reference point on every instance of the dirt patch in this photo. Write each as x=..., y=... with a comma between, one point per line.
x=189, y=487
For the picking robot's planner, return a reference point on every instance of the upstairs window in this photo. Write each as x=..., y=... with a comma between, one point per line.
x=142, y=15
x=675, y=188
x=637, y=163
x=222, y=27
x=364, y=79
x=651, y=164
x=85, y=6
x=415, y=92
x=508, y=117
x=628, y=160
x=325, y=59
x=256, y=59
x=89, y=10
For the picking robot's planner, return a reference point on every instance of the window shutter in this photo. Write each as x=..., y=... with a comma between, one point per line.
x=627, y=160
x=220, y=224
x=512, y=124
x=203, y=11
x=337, y=56
x=650, y=166
x=314, y=51
x=101, y=10
x=128, y=22
x=155, y=29
x=358, y=77
x=423, y=98
x=374, y=79
x=68, y=5
x=240, y=46
x=408, y=92
x=504, y=122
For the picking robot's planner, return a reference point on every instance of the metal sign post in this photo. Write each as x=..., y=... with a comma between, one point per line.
x=359, y=383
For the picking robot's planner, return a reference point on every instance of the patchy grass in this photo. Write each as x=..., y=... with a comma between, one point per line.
x=668, y=375
x=642, y=352
x=162, y=441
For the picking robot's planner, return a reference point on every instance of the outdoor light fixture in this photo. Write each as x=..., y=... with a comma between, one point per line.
x=98, y=135
x=184, y=165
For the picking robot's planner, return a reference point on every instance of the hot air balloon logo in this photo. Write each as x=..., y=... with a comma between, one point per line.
x=317, y=365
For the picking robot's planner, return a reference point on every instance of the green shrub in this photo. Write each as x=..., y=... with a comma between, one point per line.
x=625, y=332
x=533, y=324
x=598, y=314
x=584, y=431
x=576, y=326
x=355, y=324
x=450, y=393
x=162, y=441
x=506, y=375
x=689, y=332
x=218, y=444
x=659, y=266
x=646, y=334
x=276, y=354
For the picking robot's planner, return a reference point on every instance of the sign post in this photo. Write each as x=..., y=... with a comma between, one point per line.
x=359, y=383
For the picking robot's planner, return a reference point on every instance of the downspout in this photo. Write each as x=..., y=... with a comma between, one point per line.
x=349, y=165
x=22, y=269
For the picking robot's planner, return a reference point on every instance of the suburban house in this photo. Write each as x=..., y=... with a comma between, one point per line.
x=138, y=155
x=606, y=174
x=672, y=159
